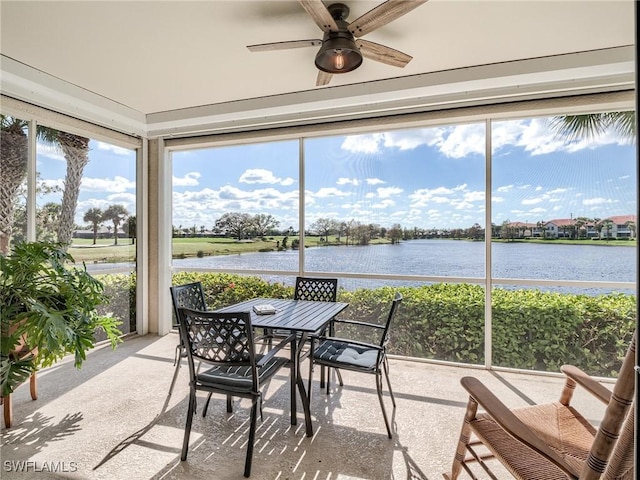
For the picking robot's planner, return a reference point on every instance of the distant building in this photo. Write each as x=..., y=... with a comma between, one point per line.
x=615, y=227
x=103, y=232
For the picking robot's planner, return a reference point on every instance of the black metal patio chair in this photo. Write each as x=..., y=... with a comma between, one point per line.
x=357, y=356
x=225, y=342
x=312, y=289
x=189, y=295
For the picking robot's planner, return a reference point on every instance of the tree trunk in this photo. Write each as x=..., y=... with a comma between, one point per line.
x=13, y=170
x=76, y=152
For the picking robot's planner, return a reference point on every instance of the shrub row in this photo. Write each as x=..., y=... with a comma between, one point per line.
x=531, y=329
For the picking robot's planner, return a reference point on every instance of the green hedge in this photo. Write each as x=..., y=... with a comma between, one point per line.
x=532, y=330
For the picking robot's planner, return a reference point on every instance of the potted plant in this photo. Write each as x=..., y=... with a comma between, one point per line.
x=47, y=310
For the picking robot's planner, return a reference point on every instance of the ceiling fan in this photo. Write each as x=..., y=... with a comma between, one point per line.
x=340, y=52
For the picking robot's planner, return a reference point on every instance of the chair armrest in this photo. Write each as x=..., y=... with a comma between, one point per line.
x=360, y=324
x=591, y=385
x=510, y=423
x=372, y=346
x=271, y=353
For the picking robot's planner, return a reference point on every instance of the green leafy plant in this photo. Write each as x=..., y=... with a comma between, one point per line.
x=48, y=310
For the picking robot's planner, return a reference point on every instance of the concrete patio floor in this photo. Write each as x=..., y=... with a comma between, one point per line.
x=113, y=420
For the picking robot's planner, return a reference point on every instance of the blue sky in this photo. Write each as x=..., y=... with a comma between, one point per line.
x=427, y=178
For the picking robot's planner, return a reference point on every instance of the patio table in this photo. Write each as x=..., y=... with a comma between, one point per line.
x=302, y=317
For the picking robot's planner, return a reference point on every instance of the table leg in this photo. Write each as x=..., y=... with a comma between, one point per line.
x=303, y=392
x=295, y=359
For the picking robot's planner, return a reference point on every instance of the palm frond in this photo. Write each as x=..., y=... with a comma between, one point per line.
x=573, y=128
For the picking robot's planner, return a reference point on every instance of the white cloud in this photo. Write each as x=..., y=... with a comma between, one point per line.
x=386, y=203
x=362, y=143
x=386, y=192
x=531, y=201
x=476, y=196
x=260, y=175
x=463, y=140
x=331, y=192
x=348, y=181
x=189, y=180
x=504, y=189
x=375, y=181
x=596, y=201
x=114, y=149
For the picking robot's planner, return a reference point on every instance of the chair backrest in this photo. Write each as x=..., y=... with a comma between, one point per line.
x=622, y=462
x=611, y=444
x=316, y=289
x=392, y=312
x=224, y=339
x=189, y=295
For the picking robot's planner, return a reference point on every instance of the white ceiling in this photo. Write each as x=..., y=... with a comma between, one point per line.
x=165, y=66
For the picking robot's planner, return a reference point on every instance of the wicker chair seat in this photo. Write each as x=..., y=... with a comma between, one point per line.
x=570, y=435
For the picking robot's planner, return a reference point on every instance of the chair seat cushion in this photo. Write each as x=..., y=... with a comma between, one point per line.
x=238, y=378
x=336, y=352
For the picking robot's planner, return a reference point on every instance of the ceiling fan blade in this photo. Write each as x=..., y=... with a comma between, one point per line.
x=320, y=15
x=323, y=78
x=265, y=47
x=383, y=54
x=381, y=15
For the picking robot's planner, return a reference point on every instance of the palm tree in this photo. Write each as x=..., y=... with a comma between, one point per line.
x=116, y=213
x=130, y=226
x=631, y=225
x=13, y=170
x=581, y=223
x=94, y=216
x=607, y=224
x=576, y=127
x=76, y=152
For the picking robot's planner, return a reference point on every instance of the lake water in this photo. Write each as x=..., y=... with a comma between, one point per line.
x=448, y=258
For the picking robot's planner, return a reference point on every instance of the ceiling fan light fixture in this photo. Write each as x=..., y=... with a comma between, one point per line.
x=338, y=53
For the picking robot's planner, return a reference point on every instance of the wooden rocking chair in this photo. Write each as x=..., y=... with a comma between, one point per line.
x=552, y=441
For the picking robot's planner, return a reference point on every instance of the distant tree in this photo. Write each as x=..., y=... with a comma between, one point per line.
x=47, y=220
x=94, y=217
x=117, y=214
x=631, y=225
x=235, y=224
x=507, y=231
x=475, y=232
x=597, y=225
x=341, y=228
x=581, y=223
x=607, y=225
x=262, y=223
x=361, y=234
x=394, y=234
x=350, y=228
x=130, y=226
x=324, y=227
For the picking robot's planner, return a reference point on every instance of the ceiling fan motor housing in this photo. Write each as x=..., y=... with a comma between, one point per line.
x=339, y=52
